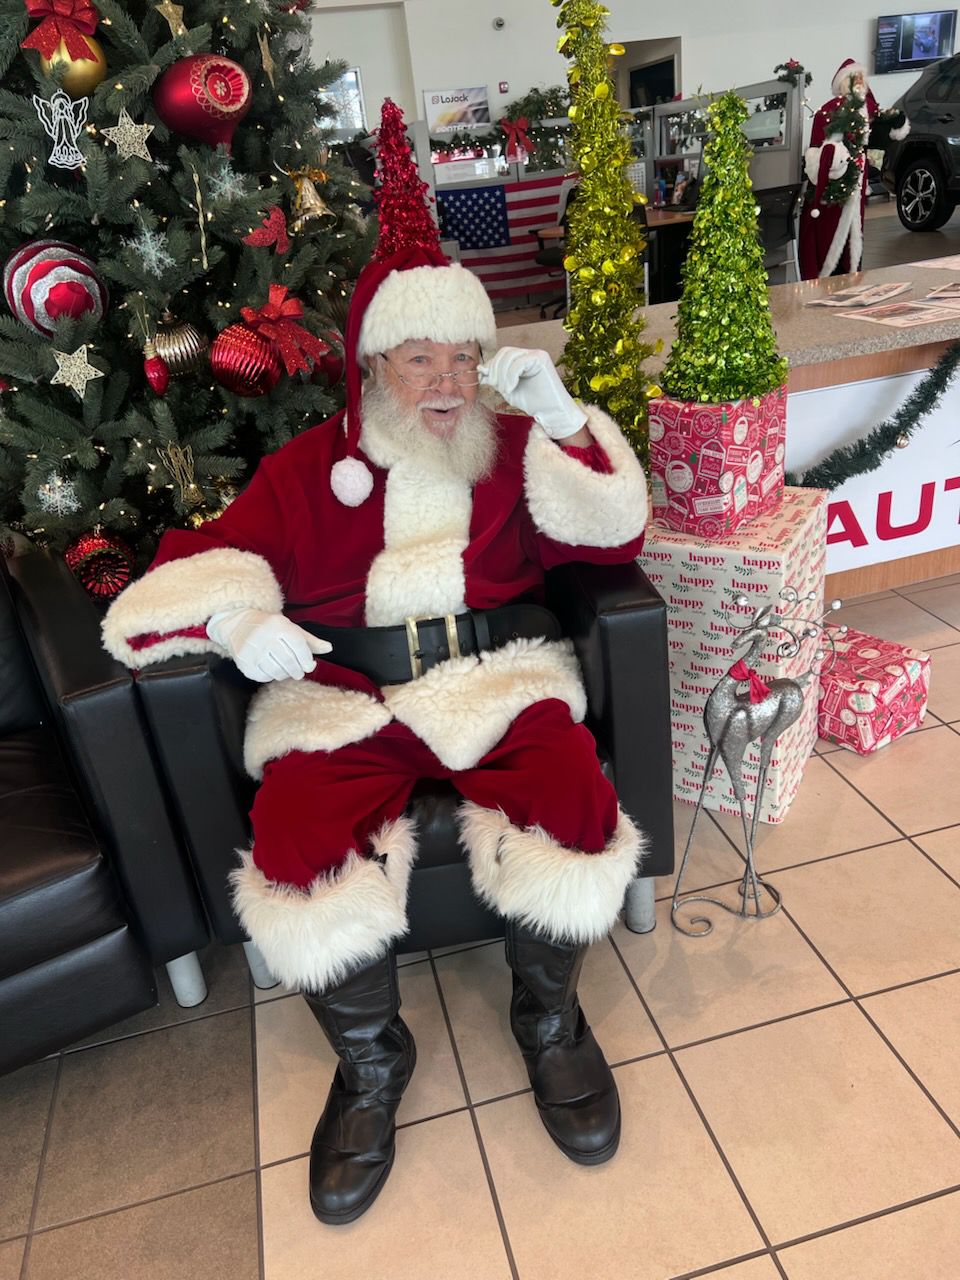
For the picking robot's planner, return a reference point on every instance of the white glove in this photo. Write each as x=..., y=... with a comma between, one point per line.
x=529, y=381
x=266, y=646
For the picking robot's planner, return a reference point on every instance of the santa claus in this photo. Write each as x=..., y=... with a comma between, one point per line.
x=380, y=576
x=831, y=223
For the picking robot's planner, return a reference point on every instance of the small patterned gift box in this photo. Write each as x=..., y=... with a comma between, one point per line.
x=716, y=466
x=873, y=692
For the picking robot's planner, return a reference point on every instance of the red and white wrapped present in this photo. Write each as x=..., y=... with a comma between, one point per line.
x=701, y=580
x=716, y=466
x=873, y=692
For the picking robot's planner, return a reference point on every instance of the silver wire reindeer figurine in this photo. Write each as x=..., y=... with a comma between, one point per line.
x=734, y=719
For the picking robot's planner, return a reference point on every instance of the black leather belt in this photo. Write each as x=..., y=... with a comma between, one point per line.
x=393, y=655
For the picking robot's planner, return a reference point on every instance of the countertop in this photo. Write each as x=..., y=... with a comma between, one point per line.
x=806, y=335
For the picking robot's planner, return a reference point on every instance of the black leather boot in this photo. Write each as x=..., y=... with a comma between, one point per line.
x=574, y=1088
x=354, y=1142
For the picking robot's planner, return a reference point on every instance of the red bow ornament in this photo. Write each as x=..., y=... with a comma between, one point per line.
x=273, y=231
x=518, y=144
x=66, y=20
x=277, y=321
x=758, y=690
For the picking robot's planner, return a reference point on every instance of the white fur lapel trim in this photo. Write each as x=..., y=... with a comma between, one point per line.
x=314, y=939
x=462, y=708
x=293, y=715
x=525, y=875
x=185, y=593
x=579, y=507
x=426, y=528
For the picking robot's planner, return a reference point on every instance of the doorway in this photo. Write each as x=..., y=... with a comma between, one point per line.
x=653, y=83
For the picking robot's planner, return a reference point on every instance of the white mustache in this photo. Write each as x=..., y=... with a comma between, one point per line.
x=442, y=402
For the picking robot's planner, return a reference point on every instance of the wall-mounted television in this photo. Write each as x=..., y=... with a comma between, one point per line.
x=911, y=41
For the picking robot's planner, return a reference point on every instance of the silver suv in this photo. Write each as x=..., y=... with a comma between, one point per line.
x=923, y=170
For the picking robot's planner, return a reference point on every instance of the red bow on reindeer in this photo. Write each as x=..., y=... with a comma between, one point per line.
x=518, y=144
x=758, y=690
x=66, y=20
x=277, y=322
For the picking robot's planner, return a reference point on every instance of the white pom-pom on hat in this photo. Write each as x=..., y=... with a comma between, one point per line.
x=351, y=481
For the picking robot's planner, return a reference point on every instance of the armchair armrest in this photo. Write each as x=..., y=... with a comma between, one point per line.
x=98, y=718
x=196, y=707
x=618, y=624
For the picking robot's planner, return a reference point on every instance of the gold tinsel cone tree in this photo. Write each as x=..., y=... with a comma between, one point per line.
x=604, y=354
x=725, y=349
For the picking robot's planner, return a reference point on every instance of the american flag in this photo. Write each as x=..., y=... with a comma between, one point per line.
x=495, y=226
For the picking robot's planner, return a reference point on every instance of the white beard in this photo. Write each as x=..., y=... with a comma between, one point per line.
x=392, y=433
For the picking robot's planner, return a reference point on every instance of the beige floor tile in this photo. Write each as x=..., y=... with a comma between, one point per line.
x=879, y=917
x=152, y=1114
x=745, y=972
x=923, y=1023
x=210, y=1232
x=942, y=602
x=931, y=584
x=279, y=992
x=638, y=1215
x=476, y=987
x=819, y=1121
x=944, y=848
x=711, y=861
x=899, y=619
x=11, y=1256
x=944, y=699
x=434, y=1220
x=295, y=1065
x=755, y=1269
x=827, y=816
x=24, y=1106
x=228, y=987
x=919, y=1243
x=913, y=781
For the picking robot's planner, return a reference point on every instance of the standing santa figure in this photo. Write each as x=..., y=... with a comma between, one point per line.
x=831, y=224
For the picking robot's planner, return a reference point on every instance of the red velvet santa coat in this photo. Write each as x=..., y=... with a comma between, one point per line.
x=417, y=547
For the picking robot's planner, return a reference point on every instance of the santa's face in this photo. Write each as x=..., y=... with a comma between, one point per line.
x=435, y=380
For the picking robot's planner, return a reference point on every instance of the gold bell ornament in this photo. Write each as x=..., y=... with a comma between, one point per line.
x=309, y=205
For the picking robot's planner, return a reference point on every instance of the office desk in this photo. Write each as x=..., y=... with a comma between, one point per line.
x=669, y=237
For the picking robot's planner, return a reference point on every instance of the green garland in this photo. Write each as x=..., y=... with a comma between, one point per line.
x=867, y=454
x=850, y=123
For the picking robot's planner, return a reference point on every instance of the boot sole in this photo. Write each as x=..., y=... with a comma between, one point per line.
x=336, y=1219
x=594, y=1157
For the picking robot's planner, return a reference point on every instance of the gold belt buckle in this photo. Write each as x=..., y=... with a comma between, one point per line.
x=413, y=640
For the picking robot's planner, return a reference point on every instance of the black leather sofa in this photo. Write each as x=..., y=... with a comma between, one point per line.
x=91, y=702
x=70, y=962
x=196, y=708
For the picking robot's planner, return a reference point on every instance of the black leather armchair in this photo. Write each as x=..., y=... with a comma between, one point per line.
x=92, y=704
x=70, y=963
x=197, y=706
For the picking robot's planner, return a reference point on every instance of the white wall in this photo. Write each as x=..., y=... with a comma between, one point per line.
x=373, y=38
x=451, y=43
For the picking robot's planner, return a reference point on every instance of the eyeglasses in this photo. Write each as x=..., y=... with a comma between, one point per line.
x=425, y=379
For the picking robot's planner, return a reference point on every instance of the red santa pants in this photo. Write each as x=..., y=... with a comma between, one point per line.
x=313, y=808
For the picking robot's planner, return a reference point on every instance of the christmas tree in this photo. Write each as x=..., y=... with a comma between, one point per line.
x=605, y=351
x=178, y=248
x=725, y=349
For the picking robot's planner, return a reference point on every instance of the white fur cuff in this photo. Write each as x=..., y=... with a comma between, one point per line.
x=349, y=918
x=525, y=875
x=299, y=715
x=579, y=507
x=186, y=593
x=898, y=135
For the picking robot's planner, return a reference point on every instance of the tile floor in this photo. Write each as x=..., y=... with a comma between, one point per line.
x=790, y=1088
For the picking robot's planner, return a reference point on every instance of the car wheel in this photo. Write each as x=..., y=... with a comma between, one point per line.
x=922, y=201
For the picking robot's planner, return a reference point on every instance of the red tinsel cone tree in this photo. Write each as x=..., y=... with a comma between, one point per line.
x=405, y=221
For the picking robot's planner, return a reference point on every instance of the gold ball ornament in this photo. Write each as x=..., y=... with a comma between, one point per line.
x=902, y=441
x=180, y=346
x=81, y=75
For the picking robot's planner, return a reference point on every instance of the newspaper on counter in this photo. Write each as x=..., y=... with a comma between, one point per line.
x=860, y=295
x=905, y=315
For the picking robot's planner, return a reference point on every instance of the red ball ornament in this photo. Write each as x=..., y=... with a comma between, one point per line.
x=101, y=564
x=203, y=97
x=244, y=362
x=46, y=279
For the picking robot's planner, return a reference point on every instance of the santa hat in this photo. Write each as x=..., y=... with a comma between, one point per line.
x=840, y=84
x=409, y=290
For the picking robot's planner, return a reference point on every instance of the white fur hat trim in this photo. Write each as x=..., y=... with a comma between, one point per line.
x=351, y=481
x=840, y=84
x=442, y=304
